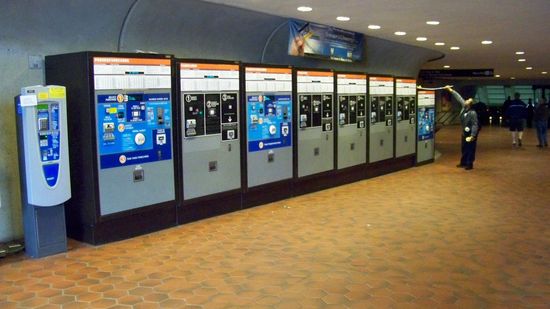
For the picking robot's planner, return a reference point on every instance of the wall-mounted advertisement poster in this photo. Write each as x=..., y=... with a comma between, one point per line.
x=315, y=40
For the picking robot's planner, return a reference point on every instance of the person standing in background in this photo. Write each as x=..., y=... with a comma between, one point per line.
x=470, y=129
x=530, y=110
x=516, y=114
x=540, y=118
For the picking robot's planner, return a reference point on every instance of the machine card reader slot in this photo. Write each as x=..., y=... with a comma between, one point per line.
x=270, y=156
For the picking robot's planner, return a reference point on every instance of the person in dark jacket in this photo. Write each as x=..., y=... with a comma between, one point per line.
x=516, y=114
x=540, y=119
x=470, y=129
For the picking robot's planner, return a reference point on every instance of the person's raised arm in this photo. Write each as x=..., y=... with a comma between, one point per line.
x=456, y=95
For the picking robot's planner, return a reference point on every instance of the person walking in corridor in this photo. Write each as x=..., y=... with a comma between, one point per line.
x=470, y=129
x=540, y=119
x=517, y=113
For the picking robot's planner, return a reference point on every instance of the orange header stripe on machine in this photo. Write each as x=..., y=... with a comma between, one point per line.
x=130, y=61
x=269, y=70
x=353, y=76
x=209, y=66
x=383, y=79
x=426, y=92
x=315, y=73
x=408, y=81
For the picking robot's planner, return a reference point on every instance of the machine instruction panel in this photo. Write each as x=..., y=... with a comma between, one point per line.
x=426, y=115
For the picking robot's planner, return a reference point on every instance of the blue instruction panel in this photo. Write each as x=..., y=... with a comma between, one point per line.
x=269, y=121
x=133, y=128
x=426, y=118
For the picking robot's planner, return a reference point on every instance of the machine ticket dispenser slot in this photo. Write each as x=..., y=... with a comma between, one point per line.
x=405, y=90
x=134, y=129
x=315, y=90
x=351, y=91
x=381, y=141
x=44, y=167
x=210, y=128
x=426, y=124
x=269, y=124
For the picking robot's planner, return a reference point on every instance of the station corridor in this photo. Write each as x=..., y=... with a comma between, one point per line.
x=434, y=236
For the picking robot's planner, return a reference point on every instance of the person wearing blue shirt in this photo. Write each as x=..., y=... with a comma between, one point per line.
x=470, y=129
x=517, y=113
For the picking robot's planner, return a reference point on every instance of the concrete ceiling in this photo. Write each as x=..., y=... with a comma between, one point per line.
x=512, y=26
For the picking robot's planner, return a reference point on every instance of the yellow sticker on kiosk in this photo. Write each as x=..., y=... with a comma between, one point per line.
x=43, y=96
x=57, y=92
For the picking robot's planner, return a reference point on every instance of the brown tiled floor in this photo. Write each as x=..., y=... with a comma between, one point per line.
x=428, y=237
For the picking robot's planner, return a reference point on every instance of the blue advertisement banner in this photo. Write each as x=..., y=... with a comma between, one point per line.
x=316, y=40
x=426, y=121
x=269, y=122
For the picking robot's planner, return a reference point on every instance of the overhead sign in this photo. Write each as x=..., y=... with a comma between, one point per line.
x=316, y=40
x=434, y=74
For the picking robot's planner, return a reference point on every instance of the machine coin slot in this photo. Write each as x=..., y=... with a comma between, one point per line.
x=352, y=109
x=352, y=146
x=316, y=151
x=270, y=156
x=139, y=174
x=381, y=142
x=406, y=138
x=212, y=115
x=160, y=115
x=212, y=166
x=316, y=110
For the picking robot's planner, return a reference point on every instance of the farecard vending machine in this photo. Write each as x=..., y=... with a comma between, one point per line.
x=268, y=152
x=426, y=124
x=44, y=167
x=351, y=112
x=121, y=135
x=405, y=118
x=315, y=129
x=381, y=118
x=208, y=105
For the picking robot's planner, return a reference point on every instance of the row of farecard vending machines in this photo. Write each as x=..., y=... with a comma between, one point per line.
x=156, y=141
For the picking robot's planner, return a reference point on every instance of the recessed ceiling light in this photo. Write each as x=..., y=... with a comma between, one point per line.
x=520, y=53
x=432, y=22
x=421, y=38
x=304, y=9
x=343, y=18
x=400, y=33
x=543, y=72
x=486, y=42
x=522, y=60
x=512, y=77
x=455, y=47
x=439, y=43
x=498, y=75
x=374, y=27
x=446, y=66
x=529, y=68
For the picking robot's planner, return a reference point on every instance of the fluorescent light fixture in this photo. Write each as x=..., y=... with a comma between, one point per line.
x=522, y=60
x=512, y=77
x=304, y=9
x=374, y=27
x=486, y=42
x=529, y=68
x=439, y=43
x=543, y=72
x=520, y=53
x=343, y=18
x=432, y=22
x=421, y=38
x=400, y=33
x=455, y=48
x=498, y=75
x=446, y=66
